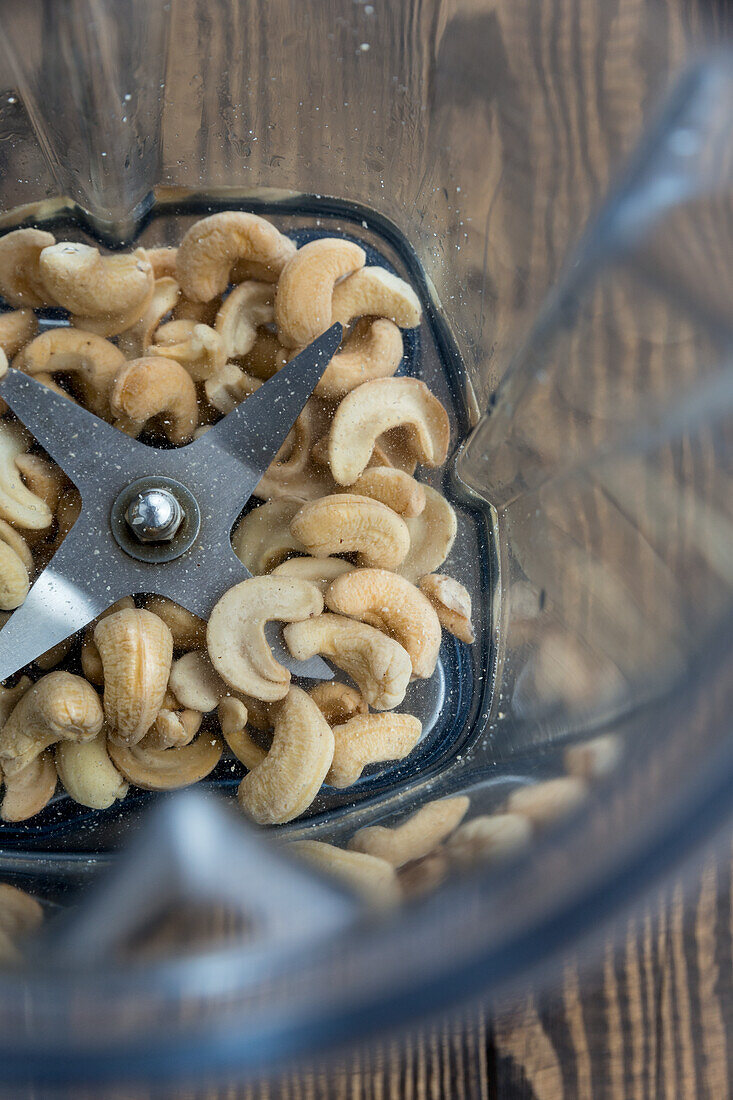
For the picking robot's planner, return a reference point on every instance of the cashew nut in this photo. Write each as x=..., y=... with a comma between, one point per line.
x=378, y=406
x=489, y=838
x=16, y=328
x=212, y=246
x=243, y=311
x=262, y=538
x=174, y=725
x=16, y=564
x=547, y=802
x=236, y=638
x=452, y=603
x=259, y=713
x=392, y=604
x=375, y=292
x=198, y=348
x=21, y=283
x=232, y=715
x=291, y=472
x=87, y=773
x=416, y=837
x=266, y=357
x=306, y=287
x=370, y=739
x=91, y=662
x=135, y=341
x=424, y=875
x=289, y=778
x=374, y=879
x=393, y=487
x=45, y=479
x=55, y=655
x=594, y=758
x=163, y=262
x=195, y=683
x=92, y=359
x=106, y=294
x=166, y=769
x=431, y=536
x=337, y=702
x=188, y=630
x=393, y=450
x=151, y=388
x=136, y=648
x=320, y=571
x=28, y=790
x=379, y=665
x=345, y=522
x=59, y=707
x=18, y=505
x=228, y=387
x=10, y=697
x=201, y=313
x=373, y=350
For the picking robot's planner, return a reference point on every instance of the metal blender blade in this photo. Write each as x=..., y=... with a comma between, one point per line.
x=210, y=480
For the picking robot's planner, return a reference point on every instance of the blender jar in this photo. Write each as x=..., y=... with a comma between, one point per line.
x=589, y=473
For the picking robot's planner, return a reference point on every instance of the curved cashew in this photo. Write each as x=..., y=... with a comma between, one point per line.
x=232, y=714
x=16, y=564
x=135, y=341
x=345, y=522
x=262, y=538
x=70, y=351
x=489, y=838
x=375, y=292
x=373, y=350
x=59, y=707
x=155, y=387
x=91, y=662
x=45, y=479
x=372, y=878
x=167, y=769
x=30, y=789
x=394, y=605
x=107, y=294
x=370, y=739
x=259, y=713
x=16, y=328
x=393, y=487
x=320, y=571
x=376, y=407
x=431, y=536
x=228, y=387
x=174, y=725
x=291, y=472
x=212, y=246
x=379, y=665
x=452, y=603
x=236, y=638
x=243, y=311
x=136, y=648
x=195, y=683
x=87, y=773
x=18, y=504
x=416, y=837
x=21, y=283
x=266, y=357
x=10, y=697
x=188, y=630
x=546, y=802
x=198, y=348
x=163, y=262
x=594, y=758
x=337, y=702
x=290, y=776
x=306, y=287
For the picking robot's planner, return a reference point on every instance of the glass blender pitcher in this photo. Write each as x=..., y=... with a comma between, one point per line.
x=590, y=476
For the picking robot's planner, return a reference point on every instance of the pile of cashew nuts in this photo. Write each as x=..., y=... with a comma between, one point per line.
x=344, y=550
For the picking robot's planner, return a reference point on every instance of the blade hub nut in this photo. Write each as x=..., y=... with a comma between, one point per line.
x=154, y=515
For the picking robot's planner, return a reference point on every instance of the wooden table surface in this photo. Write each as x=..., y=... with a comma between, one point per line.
x=652, y=1018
